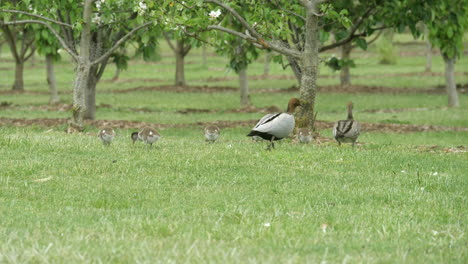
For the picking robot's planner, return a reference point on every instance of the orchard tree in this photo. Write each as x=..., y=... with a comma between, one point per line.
x=20, y=40
x=90, y=31
x=241, y=53
x=446, y=27
x=48, y=46
x=293, y=28
x=181, y=48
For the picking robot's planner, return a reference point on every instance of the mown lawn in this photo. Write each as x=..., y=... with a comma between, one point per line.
x=232, y=201
x=396, y=198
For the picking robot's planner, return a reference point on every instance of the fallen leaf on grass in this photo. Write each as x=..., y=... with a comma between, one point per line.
x=43, y=179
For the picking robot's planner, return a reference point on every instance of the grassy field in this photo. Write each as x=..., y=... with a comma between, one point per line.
x=397, y=198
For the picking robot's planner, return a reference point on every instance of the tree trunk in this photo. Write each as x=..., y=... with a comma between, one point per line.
x=244, y=88
x=345, y=77
x=450, y=82
x=266, y=67
x=82, y=71
x=180, y=73
x=54, y=98
x=310, y=61
x=204, y=54
x=428, y=67
x=116, y=75
x=90, y=95
x=18, y=85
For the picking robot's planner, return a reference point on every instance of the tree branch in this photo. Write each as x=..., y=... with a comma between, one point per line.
x=36, y=16
x=351, y=34
x=64, y=44
x=288, y=11
x=120, y=41
x=33, y=48
x=274, y=45
x=10, y=37
x=168, y=40
x=238, y=17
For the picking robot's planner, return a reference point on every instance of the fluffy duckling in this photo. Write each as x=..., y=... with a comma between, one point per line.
x=276, y=126
x=304, y=135
x=106, y=134
x=212, y=133
x=148, y=135
x=347, y=131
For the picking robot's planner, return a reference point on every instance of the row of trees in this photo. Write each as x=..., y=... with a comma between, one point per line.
x=94, y=32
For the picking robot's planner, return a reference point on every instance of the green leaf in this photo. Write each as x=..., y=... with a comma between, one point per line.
x=361, y=42
x=449, y=32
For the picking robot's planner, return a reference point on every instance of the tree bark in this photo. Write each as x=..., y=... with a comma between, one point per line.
x=345, y=77
x=296, y=68
x=82, y=71
x=244, y=88
x=266, y=66
x=18, y=85
x=451, y=87
x=54, y=98
x=90, y=96
x=310, y=62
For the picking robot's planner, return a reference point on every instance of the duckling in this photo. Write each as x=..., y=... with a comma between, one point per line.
x=148, y=135
x=106, y=134
x=304, y=135
x=212, y=133
x=276, y=126
x=347, y=131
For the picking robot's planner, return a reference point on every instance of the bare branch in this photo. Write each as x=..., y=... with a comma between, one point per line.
x=288, y=11
x=351, y=34
x=238, y=17
x=36, y=16
x=274, y=45
x=11, y=40
x=33, y=48
x=60, y=39
x=120, y=41
x=168, y=40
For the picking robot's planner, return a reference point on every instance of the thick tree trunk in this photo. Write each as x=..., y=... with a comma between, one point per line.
x=244, y=88
x=266, y=66
x=79, y=106
x=90, y=96
x=180, y=71
x=54, y=98
x=450, y=82
x=18, y=85
x=345, y=76
x=82, y=71
x=310, y=61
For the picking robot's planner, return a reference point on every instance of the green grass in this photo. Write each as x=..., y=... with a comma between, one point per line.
x=397, y=198
x=188, y=201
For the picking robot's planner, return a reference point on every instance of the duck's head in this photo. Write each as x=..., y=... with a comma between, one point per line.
x=293, y=103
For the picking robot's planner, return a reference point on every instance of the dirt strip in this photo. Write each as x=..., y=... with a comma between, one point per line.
x=125, y=124
x=351, y=89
